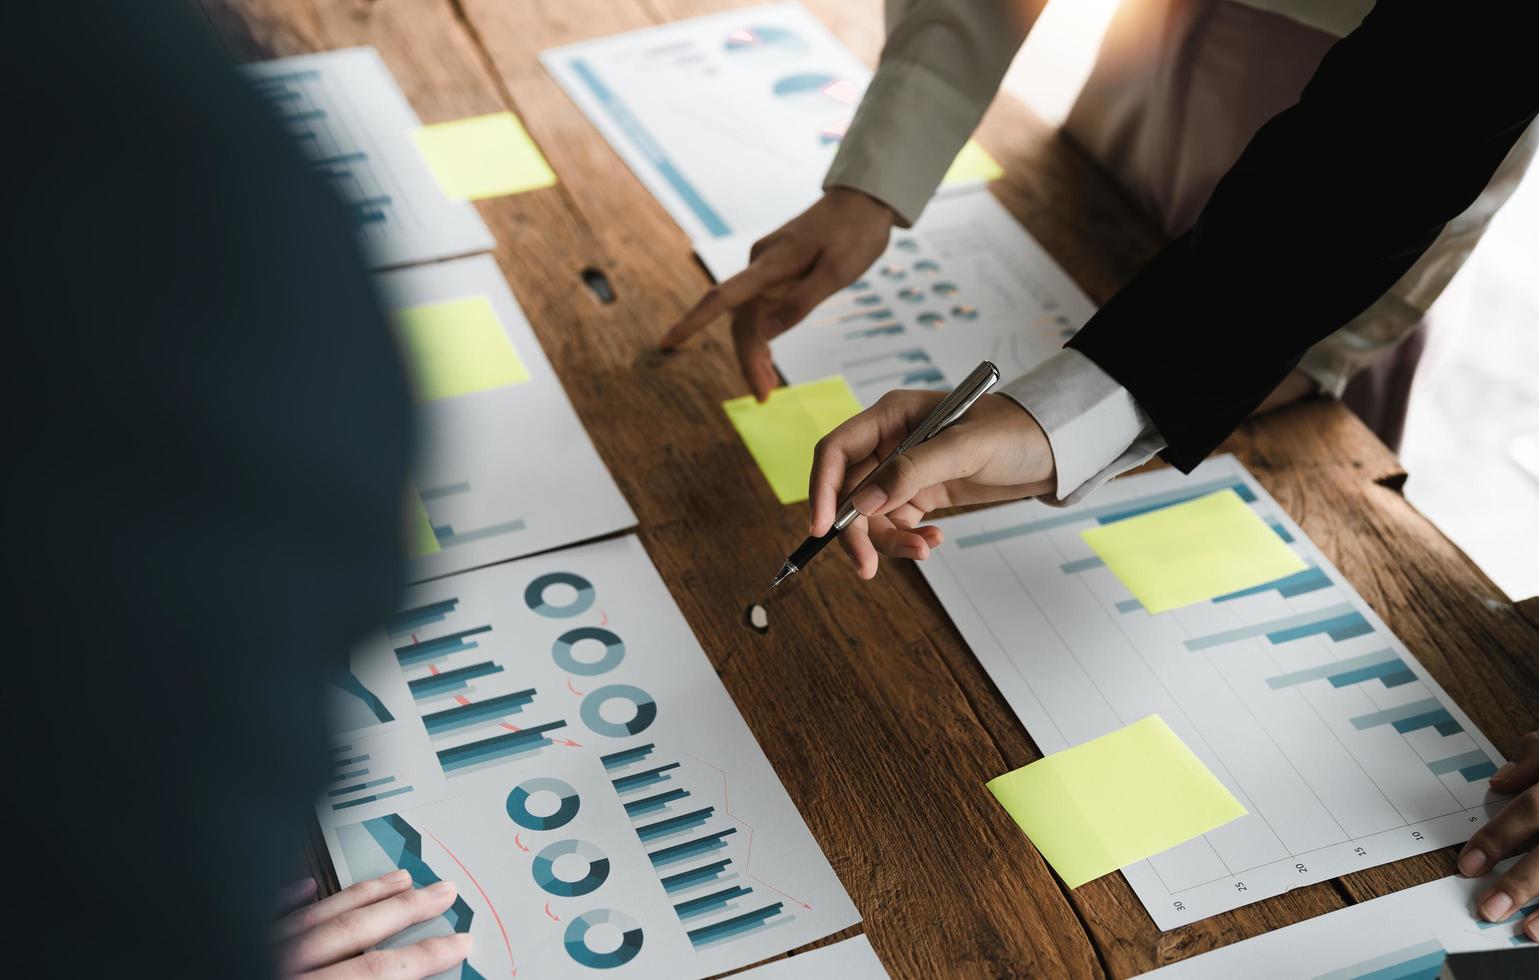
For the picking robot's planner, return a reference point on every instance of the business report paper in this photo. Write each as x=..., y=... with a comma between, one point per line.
x=965, y=284
x=1403, y=936
x=504, y=465
x=729, y=120
x=1345, y=752
x=353, y=123
x=548, y=734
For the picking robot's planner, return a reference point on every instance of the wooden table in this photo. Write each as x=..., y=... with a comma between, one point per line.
x=879, y=720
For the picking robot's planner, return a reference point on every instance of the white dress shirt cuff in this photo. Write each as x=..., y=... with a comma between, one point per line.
x=1095, y=428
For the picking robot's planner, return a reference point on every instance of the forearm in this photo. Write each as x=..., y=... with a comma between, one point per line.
x=939, y=70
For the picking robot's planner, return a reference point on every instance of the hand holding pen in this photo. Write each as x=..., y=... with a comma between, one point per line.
x=996, y=451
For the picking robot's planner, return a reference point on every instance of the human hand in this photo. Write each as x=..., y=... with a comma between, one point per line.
x=997, y=451
x=332, y=939
x=793, y=269
x=1514, y=830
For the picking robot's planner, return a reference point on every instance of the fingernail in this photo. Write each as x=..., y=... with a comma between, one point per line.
x=869, y=499
x=1532, y=927
x=1504, y=771
x=1496, y=906
x=396, y=877
x=438, y=889
x=1472, y=862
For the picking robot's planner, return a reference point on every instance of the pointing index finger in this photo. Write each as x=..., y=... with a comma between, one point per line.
x=774, y=266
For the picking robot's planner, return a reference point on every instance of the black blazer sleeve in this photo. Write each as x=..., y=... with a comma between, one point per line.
x=1334, y=200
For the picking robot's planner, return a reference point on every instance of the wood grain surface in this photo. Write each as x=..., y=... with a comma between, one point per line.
x=878, y=719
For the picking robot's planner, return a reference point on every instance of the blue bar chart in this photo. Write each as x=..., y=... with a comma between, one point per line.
x=540, y=757
x=1345, y=752
x=355, y=781
x=685, y=844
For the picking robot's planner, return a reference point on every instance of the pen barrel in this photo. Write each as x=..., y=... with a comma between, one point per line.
x=810, y=547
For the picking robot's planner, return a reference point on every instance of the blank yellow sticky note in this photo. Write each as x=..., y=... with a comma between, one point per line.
x=1194, y=551
x=973, y=163
x=457, y=348
x=420, y=539
x=1114, y=800
x=486, y=156
x=782, y=432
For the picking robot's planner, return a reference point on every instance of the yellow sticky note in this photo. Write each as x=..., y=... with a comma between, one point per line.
x=486, y=156
x=420, y=539
x=782, y=432
x=1114, y=800
x=1193, y=551
x=457, y=348
x=973, y=163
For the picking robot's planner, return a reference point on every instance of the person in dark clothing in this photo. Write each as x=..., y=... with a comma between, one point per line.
x=1401, y=127
x=208, y=438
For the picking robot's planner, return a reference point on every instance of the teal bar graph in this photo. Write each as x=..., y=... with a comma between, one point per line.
x=496, y=748
x=1423, y=961
x=1382, y=666
x=1473, y=766
x=735, y=926
x=1108, y=514
x=1297, y=584
x=1406, y=717
x=409, y=619
x=688, y=849
x=651, y=804
x=623, y=758
x=695, y=876
x=674, y=825
x=706, y=904
x=1340, y=618
x=636, y=780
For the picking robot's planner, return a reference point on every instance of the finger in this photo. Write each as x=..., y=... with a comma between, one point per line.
x=856, y=540
x=857, y=438
x=293, y=895
x=779, y=262
x=1512, y=890
x=352, y=897
x=896, y=541
x=753, y=352
x=951, y=455
x=1508, y=832
x=1523, y=771
x=813, y=288
x=356, y=930
x=414, y=962
x=1531, y=927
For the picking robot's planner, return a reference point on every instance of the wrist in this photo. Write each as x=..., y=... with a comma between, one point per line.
x=865, y=206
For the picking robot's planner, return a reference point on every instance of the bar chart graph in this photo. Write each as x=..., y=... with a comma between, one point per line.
x=1319, y=720
x=443, y=667
x=551, y=721
x=1403, y=936
x=688, y=846
x=355, y=781
x=349, y=119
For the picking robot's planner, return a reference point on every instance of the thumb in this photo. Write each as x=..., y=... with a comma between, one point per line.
x=949, y=456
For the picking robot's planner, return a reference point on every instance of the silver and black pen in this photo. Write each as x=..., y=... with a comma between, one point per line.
x=951, y=408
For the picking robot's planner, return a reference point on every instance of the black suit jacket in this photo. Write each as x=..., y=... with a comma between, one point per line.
x=1333, y=201
x=207, y=433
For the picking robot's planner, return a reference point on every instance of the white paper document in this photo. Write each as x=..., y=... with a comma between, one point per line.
x=730, y=120
x=354, y=125
x=1404, y=936
x=504, y=465
x=548, y=734
x=852, y=959
x=1294, y=693
x=965, y=284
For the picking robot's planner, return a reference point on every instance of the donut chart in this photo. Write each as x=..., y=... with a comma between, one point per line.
x=646, y=710
x=577, y=934
x=534, y=595
x=518, y=803
x=544, y=869
x=614, y=651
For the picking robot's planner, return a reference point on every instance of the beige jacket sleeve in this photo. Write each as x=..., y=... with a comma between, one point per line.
x=1376, y=331
x=939, y=70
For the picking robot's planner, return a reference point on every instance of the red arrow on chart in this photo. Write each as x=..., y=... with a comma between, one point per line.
x=574, y=690
x=553, y=916
x=566, y=741
x=519, y=843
